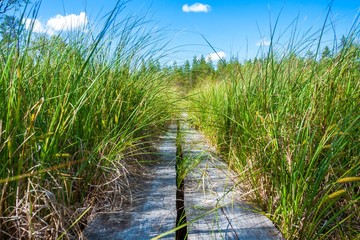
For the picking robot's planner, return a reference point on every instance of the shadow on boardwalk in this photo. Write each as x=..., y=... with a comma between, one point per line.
x=213, y=210
x=153, y=210
x=213, y=207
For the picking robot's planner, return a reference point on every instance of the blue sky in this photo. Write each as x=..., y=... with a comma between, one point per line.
x=238, y=28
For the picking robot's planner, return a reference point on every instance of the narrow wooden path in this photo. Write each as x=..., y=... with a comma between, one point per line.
x=212, y=205
x=212, y=199
x=153, y=210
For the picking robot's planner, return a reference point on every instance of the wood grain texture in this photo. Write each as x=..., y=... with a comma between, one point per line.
x=212, y=199
x=153, y=211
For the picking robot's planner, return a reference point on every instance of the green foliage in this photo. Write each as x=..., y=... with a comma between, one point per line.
x=189, y=75
x=71, y=110
x=8, y=28
x=7, y=5
x=291, y=126
x=326, y=53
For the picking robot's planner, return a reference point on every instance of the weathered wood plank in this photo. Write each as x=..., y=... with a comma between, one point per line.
x=153, y=211
x=213, y=208
x=212, y=204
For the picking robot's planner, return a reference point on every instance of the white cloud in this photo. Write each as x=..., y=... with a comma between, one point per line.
x=357, y=40
x=215, y=56
x=263, y=42
x=68, y=22
x=196, y=7
x=35, y=24
x=58, y=23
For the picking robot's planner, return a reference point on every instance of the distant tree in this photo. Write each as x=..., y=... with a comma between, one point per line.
x=201, y=69
x=8, y=28
x=7, y=5
x=309, y=55
x=343, y=42
x=186, y=68
x=348, y=43
x=326, y=53
x=174, y=66
x=186, y=73
x=175, y=71
x=194, y=72
x=9, y=33
x=221, y=67
x=206, y=67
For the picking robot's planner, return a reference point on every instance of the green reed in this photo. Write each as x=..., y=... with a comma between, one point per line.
x=291, y=124
x=72, y=107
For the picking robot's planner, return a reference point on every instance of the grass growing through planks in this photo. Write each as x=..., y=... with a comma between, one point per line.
x=74, y=111
x=292, y=125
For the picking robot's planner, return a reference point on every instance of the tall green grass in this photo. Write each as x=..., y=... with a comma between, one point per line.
x=75, y=108
x=291, y=125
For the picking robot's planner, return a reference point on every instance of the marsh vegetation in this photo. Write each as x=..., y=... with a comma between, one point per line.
x=289, y=125
x=77, y=111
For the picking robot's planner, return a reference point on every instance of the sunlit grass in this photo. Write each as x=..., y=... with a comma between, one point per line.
x=292, y=125
x=74, y=112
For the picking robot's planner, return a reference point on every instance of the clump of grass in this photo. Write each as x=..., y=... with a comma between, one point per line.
x=292, y=125
x=74, y=111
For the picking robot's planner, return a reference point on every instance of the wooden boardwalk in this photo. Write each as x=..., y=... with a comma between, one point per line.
x=213, y=208
x=153, y=210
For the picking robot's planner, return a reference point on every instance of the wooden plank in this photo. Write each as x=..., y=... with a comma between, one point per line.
x=153, y=211
x=213, y=207
x=212, y=204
